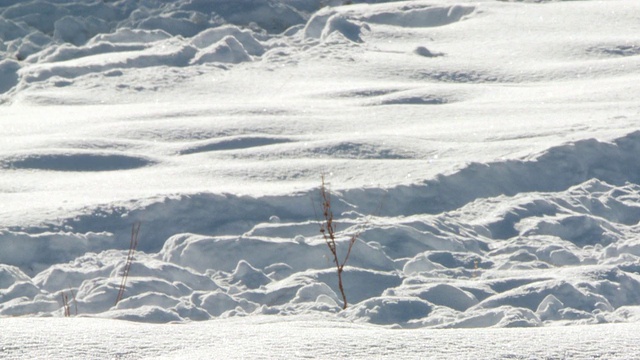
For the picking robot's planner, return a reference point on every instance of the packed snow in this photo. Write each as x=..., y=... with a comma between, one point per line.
x=484, y=154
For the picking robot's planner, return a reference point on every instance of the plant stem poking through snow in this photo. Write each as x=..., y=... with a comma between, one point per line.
x=328, y=230
x=65, y=304
x=135, y=230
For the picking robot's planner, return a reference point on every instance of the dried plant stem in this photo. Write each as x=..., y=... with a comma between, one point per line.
x=135, y=230
x=328, y=231
x=65, y=304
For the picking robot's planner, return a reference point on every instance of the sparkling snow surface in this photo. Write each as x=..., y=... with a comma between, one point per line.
x=486, y=153
x=300, y=338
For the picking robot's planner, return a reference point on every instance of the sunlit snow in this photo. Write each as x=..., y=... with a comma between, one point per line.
x=485, y=154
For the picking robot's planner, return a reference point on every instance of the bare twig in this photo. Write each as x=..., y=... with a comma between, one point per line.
x=65, y=304
x=135, y=230
x=328, y=230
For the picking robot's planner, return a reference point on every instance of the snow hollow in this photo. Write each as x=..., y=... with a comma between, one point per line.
x=483, y=155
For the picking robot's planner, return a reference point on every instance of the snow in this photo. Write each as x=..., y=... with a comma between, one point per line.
x=274, y=337
x=484, y=153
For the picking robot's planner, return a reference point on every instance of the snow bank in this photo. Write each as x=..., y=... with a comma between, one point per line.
x=541, y=229
x=170, y=53
x=245, y=37
x=227, y=50
x=416, y=14
x=404, y=271
x=40, y=32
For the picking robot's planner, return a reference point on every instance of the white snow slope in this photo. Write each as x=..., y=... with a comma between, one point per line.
x=485, y=154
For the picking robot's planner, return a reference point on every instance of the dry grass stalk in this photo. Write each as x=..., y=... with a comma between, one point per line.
x=328, y=230
x=135, y=230
x=65, y=305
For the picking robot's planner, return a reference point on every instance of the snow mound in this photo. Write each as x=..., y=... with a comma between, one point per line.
x=130, y=36
x=417, y=14
x=245, y=37
x=316, y=292
x=227, y=50
x=169, y=53
x=248, y=276
x=339, y=23
x=443, y=295
x=10, y=275
x=148, y=314
x=503, y=317
x=390, y=310
x=67, y=52
x=420, y=15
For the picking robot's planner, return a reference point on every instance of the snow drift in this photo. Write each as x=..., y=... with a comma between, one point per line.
x=490, y=184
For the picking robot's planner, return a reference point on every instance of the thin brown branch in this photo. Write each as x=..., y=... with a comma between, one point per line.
x=133, y=244
x=65, y=305
x=328, y=231
x=351, y=242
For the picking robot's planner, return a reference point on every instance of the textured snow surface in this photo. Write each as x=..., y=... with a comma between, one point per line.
x=304, y=337
x=485, y=153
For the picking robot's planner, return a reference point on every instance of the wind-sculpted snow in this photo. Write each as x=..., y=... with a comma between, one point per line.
x=171, y=53
x=73, y=34
x=528, y=253
x=418, y=14
x=484, y=156
x=37, y=32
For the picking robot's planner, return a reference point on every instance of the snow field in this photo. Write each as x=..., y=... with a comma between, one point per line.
x=493, y=181
x=260, y=337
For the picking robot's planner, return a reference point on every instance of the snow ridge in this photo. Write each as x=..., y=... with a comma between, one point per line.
x=268, y=256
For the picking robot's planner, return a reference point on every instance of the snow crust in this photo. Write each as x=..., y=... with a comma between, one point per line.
x=485, y=153
x=276, y=337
